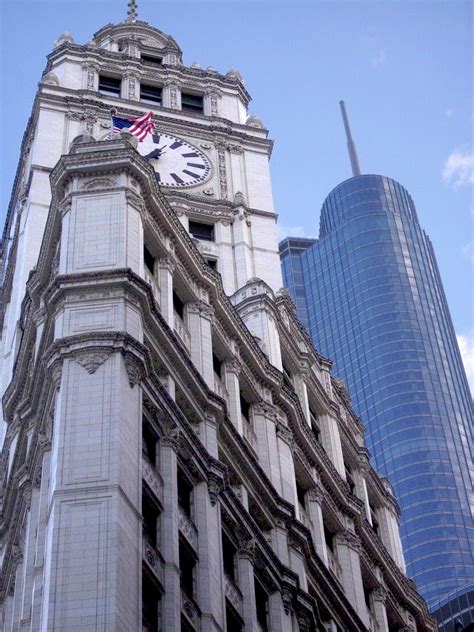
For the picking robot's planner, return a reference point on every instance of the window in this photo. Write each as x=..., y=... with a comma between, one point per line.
x=150, y=94
x=228, y=553
x=261, y=602
x=244, y=408
x=151, y=514
x=232, y=619
x=301, y=494
x=187, y=565
x=185, y=492
x=202, y=231
x=150, y=604
x=329, y=538
x=149, y=442
x=192, y=103
x=178, y=305
x=315, y=425
x=349, y=477
x=151, y=59
x=109, y=86
x=287, y=377
x=375, y=522
x=149, y=260
x=212, y=263
x=217, y=365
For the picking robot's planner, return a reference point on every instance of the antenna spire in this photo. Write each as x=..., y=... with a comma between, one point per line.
x=350, y=143
x=132, y=11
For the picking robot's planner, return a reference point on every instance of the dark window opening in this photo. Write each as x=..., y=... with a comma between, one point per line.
x=151, y=514
x=367, y=592
x=109, y=86
x=149, y=259
x=186, y=626
x=150, y=604
x=232, y=620
x=375, y=522
x=178, y=305
x=244, y=408
x=150, y=94
x=212, y=263
x=192, y=103
x=187, y=564
x=217, y=364
x=151, y=59
x=202, y=231
x=185, y=492
x=301, y=494
x=261, y=602
x=329, y=537
x=287, y=377
x=149, y=442
x=228, y=553
x=349, y=477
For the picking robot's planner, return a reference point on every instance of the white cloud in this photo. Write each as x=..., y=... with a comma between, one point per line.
x=459, y=169
x=379, y=58
x=292, y=231
x=466, y=347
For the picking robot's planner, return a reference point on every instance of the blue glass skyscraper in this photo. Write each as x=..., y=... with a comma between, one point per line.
x=370, y=293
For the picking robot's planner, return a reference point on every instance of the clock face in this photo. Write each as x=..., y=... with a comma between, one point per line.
x=176, y=162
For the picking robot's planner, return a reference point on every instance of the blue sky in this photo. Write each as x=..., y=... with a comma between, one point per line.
x=403, y=68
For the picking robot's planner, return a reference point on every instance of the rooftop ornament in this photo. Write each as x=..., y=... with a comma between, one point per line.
x=132, y=11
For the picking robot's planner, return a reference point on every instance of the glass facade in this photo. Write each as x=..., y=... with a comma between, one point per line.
x=370, y=293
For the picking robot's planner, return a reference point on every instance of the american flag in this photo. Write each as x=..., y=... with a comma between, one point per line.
x=139, y=127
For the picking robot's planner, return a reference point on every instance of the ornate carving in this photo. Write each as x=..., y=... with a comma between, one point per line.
x=233, y=365
x=135, y=200
x=287, y=598
x=248, y=550
x=222, y=169
x=214, y=486
x=350, y=539
x=65, y=205
x=380, y=594
x=304, y=622
x=316, y=494
x=99, y=183
x=284, y=433
x=135, y=368
x=91, y=360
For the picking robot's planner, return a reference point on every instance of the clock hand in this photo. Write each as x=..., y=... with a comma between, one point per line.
x=153, y=154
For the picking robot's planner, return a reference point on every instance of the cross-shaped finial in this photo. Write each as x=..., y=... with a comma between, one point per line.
x=132, y=11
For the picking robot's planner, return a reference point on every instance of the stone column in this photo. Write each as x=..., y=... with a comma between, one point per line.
x=390, y=534
x=210, y=575
x=315, y=497
x=29, y=564
x=42, y=482
x=169, y=472
x=264, y=418
x=360, y=475
x=331, y=440
x=166, y=268
x=379, y=597
x=287, y=468
x=132, y=86
x=231, y=378
x=245, y=562
x=200, y=316
x=91, y=77
x=302, y=392
x=280, y=611
x=211, y=102
x=348, y=547
x=171, y=95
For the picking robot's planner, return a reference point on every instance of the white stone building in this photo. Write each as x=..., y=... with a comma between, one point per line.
x=176, y=455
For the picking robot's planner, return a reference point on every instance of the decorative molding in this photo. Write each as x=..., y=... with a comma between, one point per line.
x=91, y=359
x=135, y=200
x=222, y=170
x=99, y=183
x=135, y=368
x=215, y=485
x=248, y=550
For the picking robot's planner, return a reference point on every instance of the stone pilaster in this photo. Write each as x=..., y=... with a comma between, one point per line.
x=314, y=498
x=210, y=576
x=348, y=547
x=166, y=268
x=379, y=597
x=169, y=472
x=245, y=562
x=331, y=440
x=280, y=613
x=231, y=377
x=264, y=419
x=200, y=316
x=287, y=467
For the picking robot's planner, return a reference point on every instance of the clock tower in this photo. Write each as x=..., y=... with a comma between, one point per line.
x=176, y=455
